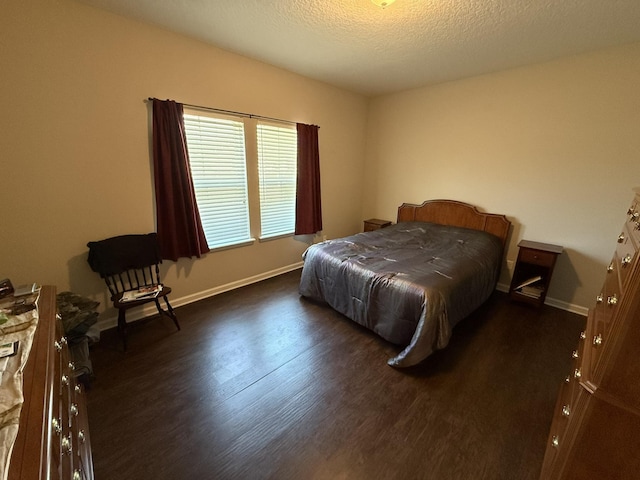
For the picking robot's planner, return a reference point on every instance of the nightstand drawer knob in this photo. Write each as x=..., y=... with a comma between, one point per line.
x=612, y=300
x=599, y=298
x=555, y=441
x=574, y=354
x=621, y=238
x=597, y=340
x=610, y=268
x=566, y=410
x=583, y=335
x=626, y=260
x=577, y=373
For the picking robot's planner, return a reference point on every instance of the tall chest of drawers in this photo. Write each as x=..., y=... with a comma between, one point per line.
x=53, y=435
x=595, y=432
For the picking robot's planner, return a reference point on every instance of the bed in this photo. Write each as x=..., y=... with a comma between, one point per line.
x=413, y=281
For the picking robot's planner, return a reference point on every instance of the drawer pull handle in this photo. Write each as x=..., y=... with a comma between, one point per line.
x=77, y=475
x=597, y=340
x=59, y=344
x=626, y=260
x=621, y=238
x=612, y=300
x=81, y=437
x=555, y=441
x=73, y=409
x=567, y=379
x=56, y=426
x=66, y=445
x=64, y=380
x=599, y=298
x=77, y=388
x=610, y=268
x=583, y=335
x=575, y=354
x=72, y=366
x=566, y=410
x=577, y=373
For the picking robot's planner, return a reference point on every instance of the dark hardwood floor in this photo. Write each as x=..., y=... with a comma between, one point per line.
x=262, y=384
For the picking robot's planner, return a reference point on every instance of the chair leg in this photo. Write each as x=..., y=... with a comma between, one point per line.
x=122, y=327
x=168, y=312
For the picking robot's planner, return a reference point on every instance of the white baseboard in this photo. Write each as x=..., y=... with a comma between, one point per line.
x=148, y=310
x=552, y=302
x=112, y=320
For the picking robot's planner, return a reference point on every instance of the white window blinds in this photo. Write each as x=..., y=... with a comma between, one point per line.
x=218, y=167
x=277, y=154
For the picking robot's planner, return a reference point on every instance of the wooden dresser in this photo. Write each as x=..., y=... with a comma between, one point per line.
x=595, y=432
x=53, y=436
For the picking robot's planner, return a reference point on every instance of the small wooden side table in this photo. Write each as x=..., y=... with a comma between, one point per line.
x=375, y=224
x=533, y=270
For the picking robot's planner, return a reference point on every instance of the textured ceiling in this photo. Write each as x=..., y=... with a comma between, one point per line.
x=356, y=45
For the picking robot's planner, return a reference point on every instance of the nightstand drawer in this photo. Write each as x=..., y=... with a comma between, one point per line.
x=374, y=224
x=537, y=257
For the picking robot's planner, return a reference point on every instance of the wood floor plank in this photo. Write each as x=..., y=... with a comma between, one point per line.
x=262, y=384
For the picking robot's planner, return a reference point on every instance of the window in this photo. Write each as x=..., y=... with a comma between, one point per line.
x=277, y=156
x=222, y=172
x=219, y=170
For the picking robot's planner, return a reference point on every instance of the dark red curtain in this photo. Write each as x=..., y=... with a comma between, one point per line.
x=180, y=232
x=308, y=204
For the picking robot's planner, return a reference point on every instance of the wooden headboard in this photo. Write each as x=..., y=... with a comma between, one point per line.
x=458, y=214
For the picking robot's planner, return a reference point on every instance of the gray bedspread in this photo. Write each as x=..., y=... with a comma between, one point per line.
x=410, y=283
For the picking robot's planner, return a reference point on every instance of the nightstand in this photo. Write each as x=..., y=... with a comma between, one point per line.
x=374, y=224
x=532, y=273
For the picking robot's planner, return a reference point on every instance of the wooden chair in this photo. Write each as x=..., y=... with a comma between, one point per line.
x=128, y=263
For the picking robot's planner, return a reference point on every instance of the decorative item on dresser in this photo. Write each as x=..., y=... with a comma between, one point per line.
x=53, y=435
x=595, y=431
x=375, y=223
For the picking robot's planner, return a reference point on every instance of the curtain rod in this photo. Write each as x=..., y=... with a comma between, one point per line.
x=231, y=112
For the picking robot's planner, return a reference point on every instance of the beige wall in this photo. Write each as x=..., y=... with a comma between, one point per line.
x=74, y=141
x=555, y=147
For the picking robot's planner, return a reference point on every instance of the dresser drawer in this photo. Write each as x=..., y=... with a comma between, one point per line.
x=633, y=219
x=564, y=429
x=608, y=300
x=626, y=253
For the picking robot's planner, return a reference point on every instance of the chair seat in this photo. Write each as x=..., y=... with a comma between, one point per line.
x=117, y=303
